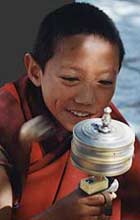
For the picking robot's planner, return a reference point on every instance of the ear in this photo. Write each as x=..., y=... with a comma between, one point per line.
x=33, y=69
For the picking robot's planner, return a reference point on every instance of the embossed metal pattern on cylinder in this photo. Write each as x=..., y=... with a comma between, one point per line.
x=103, y=154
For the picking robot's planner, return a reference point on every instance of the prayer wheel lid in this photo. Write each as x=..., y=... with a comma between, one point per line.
x=103, y=133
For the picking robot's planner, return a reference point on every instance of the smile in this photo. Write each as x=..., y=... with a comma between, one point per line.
x=80, y=114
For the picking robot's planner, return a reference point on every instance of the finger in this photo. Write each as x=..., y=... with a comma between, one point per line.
x=97, y=199
x=109, y=195
x=92, y=210
x=108, y=204
x=95, y=210
x=113, y=195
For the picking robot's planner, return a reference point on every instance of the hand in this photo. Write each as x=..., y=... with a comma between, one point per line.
x=76, y=206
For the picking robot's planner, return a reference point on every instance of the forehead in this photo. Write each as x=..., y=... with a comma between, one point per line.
x=88, y=49
x=83, y=41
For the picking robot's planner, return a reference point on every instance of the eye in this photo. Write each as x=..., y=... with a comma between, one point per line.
x=106, y=82
x=70, y=79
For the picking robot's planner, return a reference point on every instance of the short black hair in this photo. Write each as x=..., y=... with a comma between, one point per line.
x=72, y=19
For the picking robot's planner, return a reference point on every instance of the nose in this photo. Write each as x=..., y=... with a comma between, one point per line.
x=85, y=95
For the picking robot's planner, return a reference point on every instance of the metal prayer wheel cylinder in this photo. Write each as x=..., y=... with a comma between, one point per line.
x=102, y=146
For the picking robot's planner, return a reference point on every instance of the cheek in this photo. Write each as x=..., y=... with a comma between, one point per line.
x=63, y=98
x=109, y=97
x=57, y=98
x=104, y=97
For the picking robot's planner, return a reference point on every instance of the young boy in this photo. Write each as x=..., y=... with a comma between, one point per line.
x=71, y=76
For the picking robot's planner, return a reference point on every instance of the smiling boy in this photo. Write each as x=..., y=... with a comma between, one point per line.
x=71, y=76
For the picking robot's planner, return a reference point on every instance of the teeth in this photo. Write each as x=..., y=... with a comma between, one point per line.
x=80, y=114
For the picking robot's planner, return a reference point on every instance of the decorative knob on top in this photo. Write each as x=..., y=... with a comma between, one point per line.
x=106, y=119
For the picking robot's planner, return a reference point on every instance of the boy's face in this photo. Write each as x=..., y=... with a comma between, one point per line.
x=79, y=80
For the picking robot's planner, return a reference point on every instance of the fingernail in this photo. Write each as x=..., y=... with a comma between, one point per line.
x=113, y=195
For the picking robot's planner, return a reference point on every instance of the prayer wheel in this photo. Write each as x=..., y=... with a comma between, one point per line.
x=102, y=146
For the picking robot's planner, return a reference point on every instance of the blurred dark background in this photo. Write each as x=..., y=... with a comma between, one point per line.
x=19, y=22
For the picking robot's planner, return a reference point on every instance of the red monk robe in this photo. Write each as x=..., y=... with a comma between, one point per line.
x=47, y=169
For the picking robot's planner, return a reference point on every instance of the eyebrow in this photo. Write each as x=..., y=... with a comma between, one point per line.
x=77, y=69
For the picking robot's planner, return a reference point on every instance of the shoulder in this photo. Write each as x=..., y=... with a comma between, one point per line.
x=11, y=115
x=116, y=114
x=9, y=103
x=7, y=99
